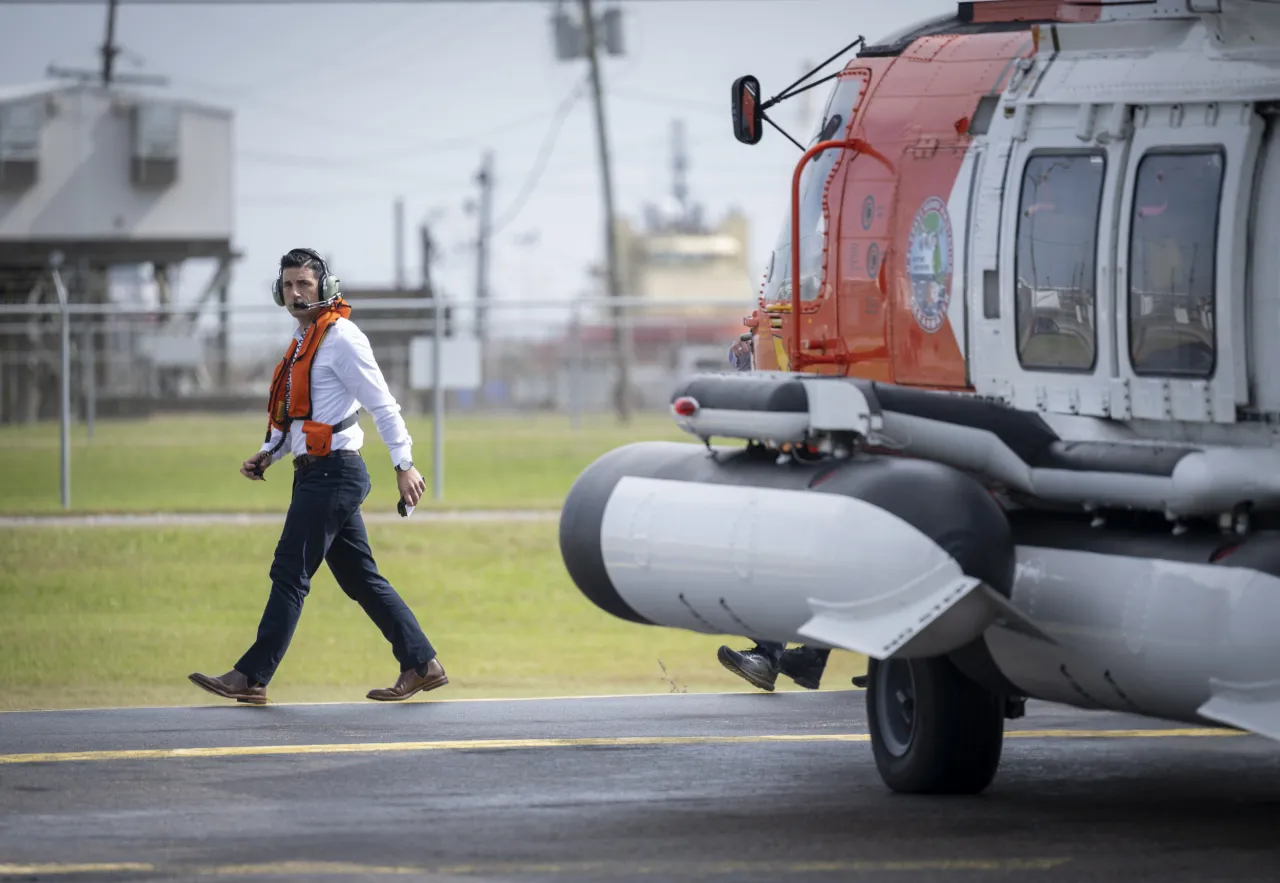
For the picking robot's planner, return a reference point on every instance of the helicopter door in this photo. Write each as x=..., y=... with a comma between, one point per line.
x=1264, y=304
x=983, y=337
x=869, y=197
x=818, y=311
x=1045, y=337
x=1181, y=268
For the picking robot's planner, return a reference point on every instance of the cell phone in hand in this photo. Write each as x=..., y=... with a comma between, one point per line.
x=404, y=508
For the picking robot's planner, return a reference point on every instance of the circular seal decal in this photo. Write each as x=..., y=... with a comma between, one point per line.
x=873, y=260
x=868, y=211
x=929, y=255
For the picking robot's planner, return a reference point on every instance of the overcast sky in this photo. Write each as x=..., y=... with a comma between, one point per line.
x=340, y=108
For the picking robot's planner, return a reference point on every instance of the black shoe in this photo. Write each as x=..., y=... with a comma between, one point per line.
x=751, y=665
x=804, y=665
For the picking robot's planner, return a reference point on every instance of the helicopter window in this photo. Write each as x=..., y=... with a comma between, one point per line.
x=813, y=181
x=1055, y=263
x=1172, y=263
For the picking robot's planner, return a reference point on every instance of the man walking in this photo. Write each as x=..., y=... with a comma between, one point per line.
x=326, y=375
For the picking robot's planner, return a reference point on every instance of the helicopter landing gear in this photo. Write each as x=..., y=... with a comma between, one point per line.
x=933, y=730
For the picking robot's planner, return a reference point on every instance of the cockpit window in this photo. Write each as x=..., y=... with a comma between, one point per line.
x=1173, y=262
x=841, y=105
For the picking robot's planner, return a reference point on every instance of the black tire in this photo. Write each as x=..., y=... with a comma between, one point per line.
x=947, y=740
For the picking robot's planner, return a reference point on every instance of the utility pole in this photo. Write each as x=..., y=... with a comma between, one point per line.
x=107, y=71
x=437, y=372
x=804, y=107
x=399, y=245
x=64, y=408
x=679, y=166
x=109, y=49
x=485, y=179
x=621, y=334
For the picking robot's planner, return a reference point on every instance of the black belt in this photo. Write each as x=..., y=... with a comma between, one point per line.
x=305, y=460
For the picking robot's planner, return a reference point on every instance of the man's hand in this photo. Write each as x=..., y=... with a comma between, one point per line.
x=253, y=468
x=411, y=485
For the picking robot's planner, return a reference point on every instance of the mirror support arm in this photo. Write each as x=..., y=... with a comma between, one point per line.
x=745, y=96
x=787, y=93
x=764, y=116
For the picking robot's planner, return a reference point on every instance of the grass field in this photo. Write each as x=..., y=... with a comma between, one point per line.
x=191, y=464
x=110, y=616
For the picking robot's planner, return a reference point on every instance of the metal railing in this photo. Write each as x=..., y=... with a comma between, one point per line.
x=87, y=361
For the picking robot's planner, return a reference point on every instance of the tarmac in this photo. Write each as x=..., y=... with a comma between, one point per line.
x=733, y=787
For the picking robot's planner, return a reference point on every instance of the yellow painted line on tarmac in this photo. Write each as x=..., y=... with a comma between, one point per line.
x=310, y=869
x=438, y=745
x=700, y=868
x=519, y=744
x=367, y=704
x=50, y=869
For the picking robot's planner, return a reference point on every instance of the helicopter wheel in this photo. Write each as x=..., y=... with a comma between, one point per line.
x=933, y=730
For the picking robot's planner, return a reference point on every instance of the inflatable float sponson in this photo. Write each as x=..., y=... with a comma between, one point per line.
x=886, y=554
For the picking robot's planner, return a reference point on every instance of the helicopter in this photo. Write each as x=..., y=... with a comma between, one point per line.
x=1010, y=431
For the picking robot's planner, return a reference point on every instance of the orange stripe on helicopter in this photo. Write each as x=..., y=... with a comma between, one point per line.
x=1033, y=10
x=894, y=251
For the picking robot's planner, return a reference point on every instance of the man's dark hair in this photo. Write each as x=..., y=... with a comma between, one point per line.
x=298, y=258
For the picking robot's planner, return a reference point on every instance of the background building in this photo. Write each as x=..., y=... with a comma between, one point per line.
x=697, y=279
x=126, y=188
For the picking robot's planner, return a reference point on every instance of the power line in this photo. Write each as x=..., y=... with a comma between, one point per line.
x=382, y=34
x=410, y=150
x=459, y=143
x=667, y=100
x=260, y=3
x=544, y=153
x=484, y=212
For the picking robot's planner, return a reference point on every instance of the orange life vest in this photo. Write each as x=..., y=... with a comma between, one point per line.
x=290, y=398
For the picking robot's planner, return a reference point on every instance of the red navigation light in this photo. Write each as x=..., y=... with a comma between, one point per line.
x=685, y=406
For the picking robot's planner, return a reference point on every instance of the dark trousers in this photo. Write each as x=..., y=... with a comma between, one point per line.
x=775, y=649
x=324, y=524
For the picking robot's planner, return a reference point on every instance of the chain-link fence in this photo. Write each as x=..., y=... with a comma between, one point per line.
x=569, y=357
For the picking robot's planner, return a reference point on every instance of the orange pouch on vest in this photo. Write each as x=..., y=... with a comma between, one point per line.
x=319, y=438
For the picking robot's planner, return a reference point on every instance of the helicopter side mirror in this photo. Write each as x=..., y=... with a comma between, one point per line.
x=748, y=114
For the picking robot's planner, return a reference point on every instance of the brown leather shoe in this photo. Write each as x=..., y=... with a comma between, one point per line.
x=231, y=685
x=411, y=682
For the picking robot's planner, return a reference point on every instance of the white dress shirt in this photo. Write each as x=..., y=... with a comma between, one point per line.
x=345, y=377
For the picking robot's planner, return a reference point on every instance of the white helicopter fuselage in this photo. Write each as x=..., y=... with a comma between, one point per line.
x=1064, y=474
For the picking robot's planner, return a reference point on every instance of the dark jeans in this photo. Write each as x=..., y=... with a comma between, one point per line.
x=324, y=524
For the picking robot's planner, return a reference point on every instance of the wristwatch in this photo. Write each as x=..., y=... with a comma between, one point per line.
x=404, y=466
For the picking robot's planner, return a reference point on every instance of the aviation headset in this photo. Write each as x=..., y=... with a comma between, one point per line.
x=329, y=286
